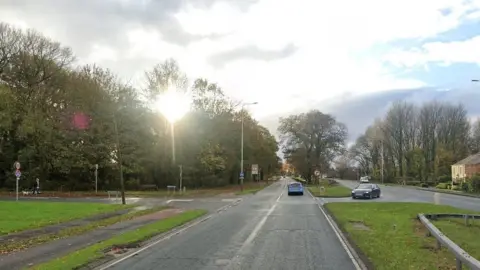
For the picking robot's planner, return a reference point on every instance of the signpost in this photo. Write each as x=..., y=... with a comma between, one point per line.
x=17, y=174
x=242, y=175
x=254, y=169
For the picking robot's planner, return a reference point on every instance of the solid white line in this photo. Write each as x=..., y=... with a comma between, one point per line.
x=342, y=242
x=179, y=200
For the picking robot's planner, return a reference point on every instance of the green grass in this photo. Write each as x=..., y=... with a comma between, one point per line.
x=332, y=191
x=462, y=235
x=390, y=235
x=94, y=252
x=19, y=216
x=17, y=245
x=253, y=188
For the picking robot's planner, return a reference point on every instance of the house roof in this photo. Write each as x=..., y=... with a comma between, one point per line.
x=470, y=160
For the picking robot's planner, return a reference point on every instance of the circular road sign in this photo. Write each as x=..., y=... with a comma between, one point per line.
x=317, y=173
x=17, y=165
x=18, y=173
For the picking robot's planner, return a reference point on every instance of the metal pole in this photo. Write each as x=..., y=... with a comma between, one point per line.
x=180, y=175
x=18, y=178
x=383, y=163
x=96, y=178
x=241, y=157
x=172, y=129
x=119, y=157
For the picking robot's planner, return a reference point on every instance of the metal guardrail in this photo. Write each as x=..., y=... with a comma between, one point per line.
x=461, y=256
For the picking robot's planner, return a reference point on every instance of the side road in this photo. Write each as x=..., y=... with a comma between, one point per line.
x=61, y=247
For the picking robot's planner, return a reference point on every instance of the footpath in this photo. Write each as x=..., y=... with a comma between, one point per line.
x=61, y=247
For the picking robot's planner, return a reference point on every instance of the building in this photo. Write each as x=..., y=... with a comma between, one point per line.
x=466, y=168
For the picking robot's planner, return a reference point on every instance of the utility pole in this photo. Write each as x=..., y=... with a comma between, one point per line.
x=383, y=163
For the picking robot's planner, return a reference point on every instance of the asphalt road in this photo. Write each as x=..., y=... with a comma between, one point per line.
x=405, y=194
x=270, y=230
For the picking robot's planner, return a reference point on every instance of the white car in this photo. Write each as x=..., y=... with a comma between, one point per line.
x=365, y=179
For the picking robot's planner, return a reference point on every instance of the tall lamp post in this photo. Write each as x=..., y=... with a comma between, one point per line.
x=173, y=105
x=242, y=174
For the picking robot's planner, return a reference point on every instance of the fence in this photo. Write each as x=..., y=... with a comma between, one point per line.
x=462, y=257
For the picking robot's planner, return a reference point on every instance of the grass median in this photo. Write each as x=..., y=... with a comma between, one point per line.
x=391, y=237
x=329, y=190
x=97, y=251
x=11, y=246
x=19, y=216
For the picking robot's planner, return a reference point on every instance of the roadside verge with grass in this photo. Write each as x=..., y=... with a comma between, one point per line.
x=253, y=188
x=42, y=238
x=329, y=189
x=97, y=251
x=19, y=216
x=390, y=236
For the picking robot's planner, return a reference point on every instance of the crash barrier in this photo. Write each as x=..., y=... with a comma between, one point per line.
x=461, y=256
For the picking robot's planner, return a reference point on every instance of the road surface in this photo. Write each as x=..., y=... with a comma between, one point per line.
x=270, y=230
x=405, y=194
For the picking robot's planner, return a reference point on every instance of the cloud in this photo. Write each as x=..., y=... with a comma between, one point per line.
x=287, y=55
x=441, y=53
x=251, y=52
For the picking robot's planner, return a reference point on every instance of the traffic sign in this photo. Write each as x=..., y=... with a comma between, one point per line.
x=17, y=165
x=254, y=168
x=18, y=173
x=317, y=173
x=242, y=175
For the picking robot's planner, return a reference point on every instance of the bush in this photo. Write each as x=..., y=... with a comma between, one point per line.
x=442, y=186
x=445, y=179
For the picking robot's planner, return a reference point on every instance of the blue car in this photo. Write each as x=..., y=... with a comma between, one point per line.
x=295, y=188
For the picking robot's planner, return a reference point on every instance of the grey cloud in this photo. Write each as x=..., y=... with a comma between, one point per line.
x=252, y=52
x=82, y=23
x=359, y=112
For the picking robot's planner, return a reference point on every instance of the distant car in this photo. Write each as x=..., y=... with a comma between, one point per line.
x=368, y=191
x=295, y=188
x=364, y=179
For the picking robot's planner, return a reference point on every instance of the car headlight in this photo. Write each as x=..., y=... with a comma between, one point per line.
x=353, y=191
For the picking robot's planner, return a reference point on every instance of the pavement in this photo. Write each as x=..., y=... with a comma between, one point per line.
x=406, y=194
x=270, y=230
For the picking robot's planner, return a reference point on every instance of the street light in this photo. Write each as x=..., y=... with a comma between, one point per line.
x=173, y=105
x=242, y=174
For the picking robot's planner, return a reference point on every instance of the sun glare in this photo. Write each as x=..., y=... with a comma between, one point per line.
x=173, y=105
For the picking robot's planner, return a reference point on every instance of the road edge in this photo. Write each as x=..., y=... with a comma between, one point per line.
x=353, y=252
x=147, y=244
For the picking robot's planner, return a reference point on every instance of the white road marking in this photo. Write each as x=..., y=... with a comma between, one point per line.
x=229, y=200
x=166, y=237
x=185, y=200
x=340, y=238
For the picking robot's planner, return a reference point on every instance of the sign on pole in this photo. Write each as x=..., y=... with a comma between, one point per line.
x=317, y=173
x=17, y=165
x=18, y=173
x=254, y=168
x=242, y=175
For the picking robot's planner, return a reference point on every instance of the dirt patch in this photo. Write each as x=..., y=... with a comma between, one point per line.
x=360, y=226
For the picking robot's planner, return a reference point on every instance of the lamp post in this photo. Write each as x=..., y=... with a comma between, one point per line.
x=174, y=105
x=242, y=174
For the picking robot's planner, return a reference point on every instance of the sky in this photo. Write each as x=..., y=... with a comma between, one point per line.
x=290, y=56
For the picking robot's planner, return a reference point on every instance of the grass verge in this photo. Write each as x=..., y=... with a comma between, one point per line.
x=19, y=216
x=391, y=237
x=17, y=245
x=94, y=252
x=330, y=190
x=462, y=235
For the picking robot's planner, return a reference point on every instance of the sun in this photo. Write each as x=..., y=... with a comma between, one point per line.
x=173, y=104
